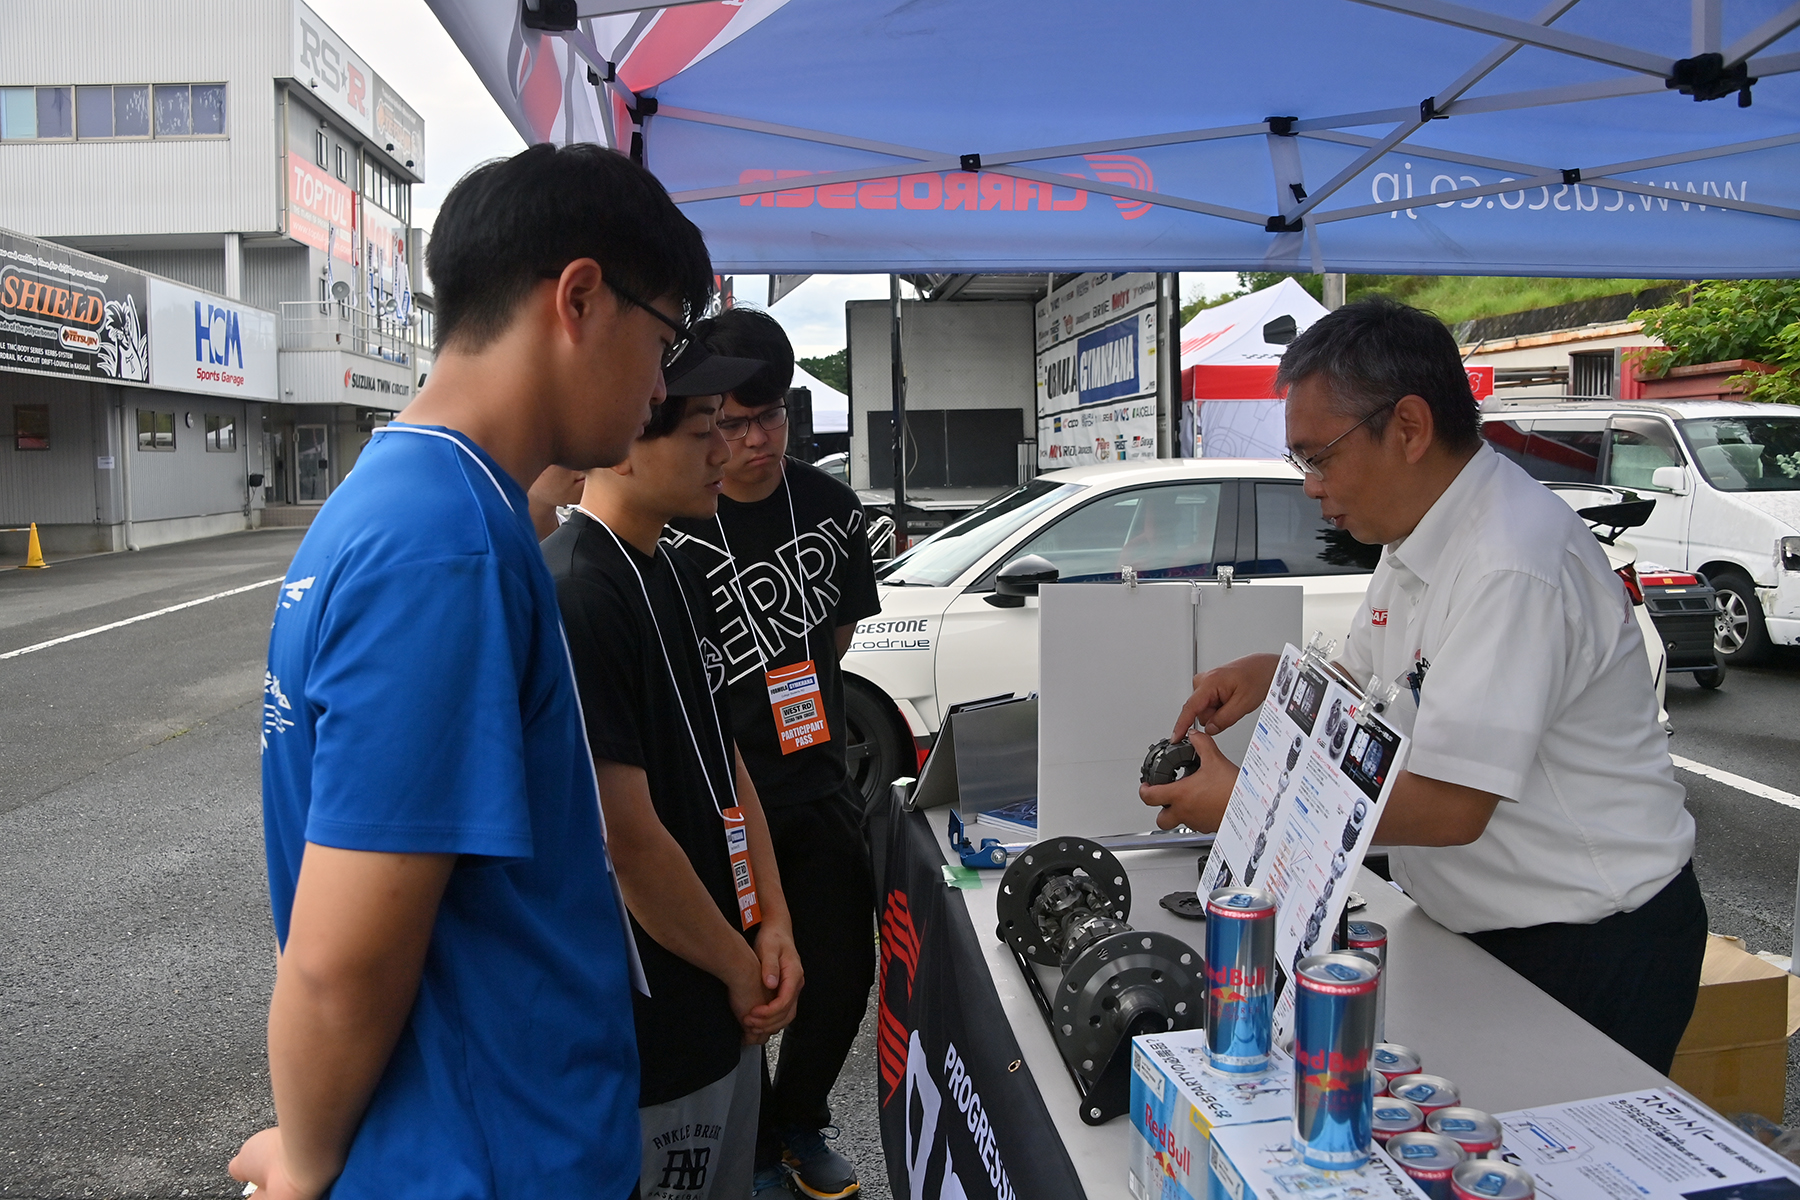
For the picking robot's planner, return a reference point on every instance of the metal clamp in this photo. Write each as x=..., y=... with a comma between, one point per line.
x=1377, y=696
x=1226, y=575
x=1128, y=577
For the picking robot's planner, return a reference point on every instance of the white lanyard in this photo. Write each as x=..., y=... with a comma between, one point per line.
x=737, y=582
x=668, y=664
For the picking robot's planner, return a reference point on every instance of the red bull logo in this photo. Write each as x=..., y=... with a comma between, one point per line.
x=1236, y=976
x=1330, y=1062
x=1169, y=1154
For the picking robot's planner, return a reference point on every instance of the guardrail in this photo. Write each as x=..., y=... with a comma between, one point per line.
x=330, y=325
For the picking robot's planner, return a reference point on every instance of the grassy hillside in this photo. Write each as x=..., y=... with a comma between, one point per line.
x=1453, y=298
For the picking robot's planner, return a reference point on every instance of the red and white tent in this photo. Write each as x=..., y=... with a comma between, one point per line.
x=1229, y=407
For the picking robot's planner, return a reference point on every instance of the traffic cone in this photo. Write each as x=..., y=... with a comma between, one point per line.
x=34, y=553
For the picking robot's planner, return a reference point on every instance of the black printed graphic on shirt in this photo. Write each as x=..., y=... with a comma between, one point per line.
x=798, y=576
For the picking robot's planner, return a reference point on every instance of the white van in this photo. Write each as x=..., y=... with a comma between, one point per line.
x=1726, y=479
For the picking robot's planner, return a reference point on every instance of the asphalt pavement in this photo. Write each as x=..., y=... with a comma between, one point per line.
x=136, y=952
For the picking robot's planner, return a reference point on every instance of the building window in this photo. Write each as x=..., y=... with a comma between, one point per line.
x=55, y=113
x=156, y=430
x=174, y=110
x=321, y=148
x=209, y=110
x=131, y=111
x=381, y=186
x=18, y=113
x=91, y=113
x=31, y=427
x=343, y=165
x=221, y=432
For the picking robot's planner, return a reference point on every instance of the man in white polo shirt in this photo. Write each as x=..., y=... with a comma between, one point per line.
x=1539, y=811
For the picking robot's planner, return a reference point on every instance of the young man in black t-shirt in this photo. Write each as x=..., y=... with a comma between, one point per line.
x=788, y=568
x=687, y=834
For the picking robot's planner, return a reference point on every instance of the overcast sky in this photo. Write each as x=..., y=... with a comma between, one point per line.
x=403, y=41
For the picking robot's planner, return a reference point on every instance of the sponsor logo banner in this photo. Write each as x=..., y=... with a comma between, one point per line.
x=325, y=65
x=204, y=343
x=66, y=313
x=396, y=123
x=1091, y=302
x=1123, y=432
x=317, y=204
x=961, y=1116
x=1107, y=364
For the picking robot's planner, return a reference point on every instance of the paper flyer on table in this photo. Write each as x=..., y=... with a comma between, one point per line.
x=1308, y=797
x=1656, y=1144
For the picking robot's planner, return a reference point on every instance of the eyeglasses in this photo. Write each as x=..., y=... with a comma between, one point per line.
x=1308, y=464
x=736, y=429
x=683, y=333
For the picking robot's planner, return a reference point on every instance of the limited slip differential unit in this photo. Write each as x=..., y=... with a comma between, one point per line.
x=1062, y=906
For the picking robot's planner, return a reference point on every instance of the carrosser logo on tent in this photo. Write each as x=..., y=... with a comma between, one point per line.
x=956, y=191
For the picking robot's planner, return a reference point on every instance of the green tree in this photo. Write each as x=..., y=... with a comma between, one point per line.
x=1726, y=319
x=832, y=369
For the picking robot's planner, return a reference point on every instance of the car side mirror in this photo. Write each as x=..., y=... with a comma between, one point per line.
x=1021, y=578
x=1669, y=479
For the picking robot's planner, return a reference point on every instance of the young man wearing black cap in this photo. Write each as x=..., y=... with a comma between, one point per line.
x=687, y=834
x=787, y=561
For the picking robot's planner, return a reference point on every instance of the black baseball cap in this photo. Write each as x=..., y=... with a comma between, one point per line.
x=700, y=372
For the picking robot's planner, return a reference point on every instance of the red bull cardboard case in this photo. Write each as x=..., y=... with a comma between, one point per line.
x=1178, y=1100
x=1259, y=1162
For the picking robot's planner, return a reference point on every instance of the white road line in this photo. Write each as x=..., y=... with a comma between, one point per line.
x=71, y=637
x=1737, y=781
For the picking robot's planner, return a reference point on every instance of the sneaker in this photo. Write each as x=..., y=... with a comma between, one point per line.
x=819, y=1171
x=771, y=1184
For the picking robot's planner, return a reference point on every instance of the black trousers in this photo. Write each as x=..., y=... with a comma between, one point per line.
x=1633, y=976
x=830, y=892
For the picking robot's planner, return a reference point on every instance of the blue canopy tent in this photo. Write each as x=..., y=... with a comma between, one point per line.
x=1646, y=138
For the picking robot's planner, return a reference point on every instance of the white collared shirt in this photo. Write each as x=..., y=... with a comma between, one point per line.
x=1537, y=689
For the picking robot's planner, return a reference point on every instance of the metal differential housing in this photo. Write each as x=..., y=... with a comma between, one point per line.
x=1063, y=903
x=1121, y=985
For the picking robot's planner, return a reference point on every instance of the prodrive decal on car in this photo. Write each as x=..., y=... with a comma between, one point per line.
x=900, y=633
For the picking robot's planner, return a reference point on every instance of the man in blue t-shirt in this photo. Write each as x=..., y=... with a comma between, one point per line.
x=452, y=1013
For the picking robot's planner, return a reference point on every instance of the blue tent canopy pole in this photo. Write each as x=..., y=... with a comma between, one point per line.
x=848, y=135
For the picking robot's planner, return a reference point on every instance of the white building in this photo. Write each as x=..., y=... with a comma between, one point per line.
x=240, y=148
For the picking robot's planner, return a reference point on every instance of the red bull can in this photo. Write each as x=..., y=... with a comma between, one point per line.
x=1395, y=1117
x=1334, y=1033
x=1429, y=1158
x=1393, y=1059
x=1371, y=938
x=1429, y=1092
x=1491, y=1179
x=1476, y=1132
x=1240, y=980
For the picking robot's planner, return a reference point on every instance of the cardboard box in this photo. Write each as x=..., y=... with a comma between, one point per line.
x=1734, y=1053
x=1177, y=1100
x=1259, y=1162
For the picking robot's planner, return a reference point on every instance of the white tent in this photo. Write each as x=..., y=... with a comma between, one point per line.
x=830, y=407
x=1228, y=408
x=1232, y=333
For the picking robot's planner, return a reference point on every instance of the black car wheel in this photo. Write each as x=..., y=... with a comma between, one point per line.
x=874, y=750
x=1741, y=638
x=1710, y=680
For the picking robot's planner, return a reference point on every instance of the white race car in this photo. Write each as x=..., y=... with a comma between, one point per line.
x=944, y=636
